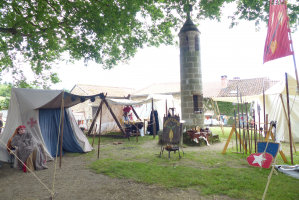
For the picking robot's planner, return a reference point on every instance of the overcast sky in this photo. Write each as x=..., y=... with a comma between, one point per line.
x=236, y=52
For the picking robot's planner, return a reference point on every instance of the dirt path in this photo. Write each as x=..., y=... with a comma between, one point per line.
x=76, y=181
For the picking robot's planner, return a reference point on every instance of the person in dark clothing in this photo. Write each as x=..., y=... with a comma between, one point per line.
x=150, y=127
x=1, y=124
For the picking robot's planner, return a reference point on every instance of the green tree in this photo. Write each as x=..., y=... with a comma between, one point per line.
x=39, y=32
x=4, y=104
x=5, y=89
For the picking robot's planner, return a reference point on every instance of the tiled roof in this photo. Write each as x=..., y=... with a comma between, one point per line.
x=211, y=89
x=247, y=87
x=111, y=91
x=160, y=88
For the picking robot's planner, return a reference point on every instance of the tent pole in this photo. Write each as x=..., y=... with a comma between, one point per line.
x=62, y=123
x=95, y=117
x=290, y=35
x=166, y=107
x=289, y=120
x=114, y=117
x=94, y=135
x=285, y=113
x=100, y=134
x=264, y=105
x=135, y=113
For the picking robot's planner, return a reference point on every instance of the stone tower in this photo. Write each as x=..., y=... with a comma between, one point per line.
x=191, y=78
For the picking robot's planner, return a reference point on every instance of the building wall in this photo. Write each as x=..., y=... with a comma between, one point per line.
x=191, y=78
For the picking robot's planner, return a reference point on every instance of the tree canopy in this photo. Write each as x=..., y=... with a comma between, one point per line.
x=41, y=32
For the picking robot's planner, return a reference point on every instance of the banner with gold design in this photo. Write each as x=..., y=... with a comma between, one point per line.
x=277, y=42
x=171, y=130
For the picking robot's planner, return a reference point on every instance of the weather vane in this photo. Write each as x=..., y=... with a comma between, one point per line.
x=189, y=10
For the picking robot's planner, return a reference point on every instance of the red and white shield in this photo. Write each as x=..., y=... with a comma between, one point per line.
x=260, y=160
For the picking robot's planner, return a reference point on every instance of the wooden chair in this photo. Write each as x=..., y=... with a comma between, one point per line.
x=15, y=163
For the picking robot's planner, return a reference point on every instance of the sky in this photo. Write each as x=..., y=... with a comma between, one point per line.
x=236, y=52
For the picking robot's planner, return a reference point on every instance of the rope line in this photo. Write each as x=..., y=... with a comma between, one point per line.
x=28, y=168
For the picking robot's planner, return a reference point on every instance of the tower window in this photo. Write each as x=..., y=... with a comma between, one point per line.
x=197, y=103
x=187, y=43
x=196, y=43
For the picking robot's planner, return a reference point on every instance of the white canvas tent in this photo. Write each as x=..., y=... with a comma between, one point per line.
x=274, y=107
x=143, y=110
x=40, y=111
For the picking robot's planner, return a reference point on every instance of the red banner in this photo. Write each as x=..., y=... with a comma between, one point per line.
x=277, y=42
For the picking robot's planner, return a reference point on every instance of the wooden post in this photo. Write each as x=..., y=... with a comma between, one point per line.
x=95, y=117
x=235, y=124
x=135, y=112
x=94, y=135
x=100, y=134
x=244, y=137
x=285, y=113
x=239, y=116
x=259, y=113
x=289, y=119
x=229, y=137
x=61, y=126
x=248, y=139
x=114, y=117
x=166, y=107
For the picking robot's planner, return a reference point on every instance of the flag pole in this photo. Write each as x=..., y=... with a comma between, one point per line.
x=290, y=35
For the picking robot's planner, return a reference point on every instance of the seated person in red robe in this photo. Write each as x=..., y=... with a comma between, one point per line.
x=28, y=147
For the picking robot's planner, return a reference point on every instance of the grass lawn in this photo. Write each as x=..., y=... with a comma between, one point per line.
x=209, y=171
